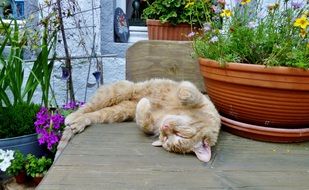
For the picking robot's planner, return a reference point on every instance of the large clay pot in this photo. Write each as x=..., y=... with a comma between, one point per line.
x=166, y=31
x=251, y=97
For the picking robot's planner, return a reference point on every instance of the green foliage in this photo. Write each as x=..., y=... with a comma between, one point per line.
x=17, y=165
x=272, y=40
x=17, y=120
x=12, y=67
x=3, y=27
x=178, y=11
x=36, y=167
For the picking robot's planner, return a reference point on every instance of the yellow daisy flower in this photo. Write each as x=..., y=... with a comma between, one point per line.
x=226, y=13
x=243, y=2
x=301, y=22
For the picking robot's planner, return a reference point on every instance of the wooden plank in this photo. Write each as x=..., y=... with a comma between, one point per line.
x=163, y=59
x=119, y=156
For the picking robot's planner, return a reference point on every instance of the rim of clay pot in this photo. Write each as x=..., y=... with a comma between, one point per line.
x=276, y=77
x=265, y=133
x=257, y=68
x=155, y=22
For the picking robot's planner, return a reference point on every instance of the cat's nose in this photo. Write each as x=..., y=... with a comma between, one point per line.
x=165, y=128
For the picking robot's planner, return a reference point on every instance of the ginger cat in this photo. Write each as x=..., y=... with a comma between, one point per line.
x=184, y=119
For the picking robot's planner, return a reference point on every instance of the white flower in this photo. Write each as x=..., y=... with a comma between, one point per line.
x=206, y=27
x=2, y=153
x=214, y=39
x=252, y=24
x=9, y=154
x=5, y=158
x=4, y=165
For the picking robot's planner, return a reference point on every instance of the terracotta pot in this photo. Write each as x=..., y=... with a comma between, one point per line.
x=21, y=177
x=166, y=31
x=272, y=97
x=37, y=180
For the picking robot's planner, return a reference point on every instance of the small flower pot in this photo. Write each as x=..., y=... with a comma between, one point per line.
x=166, y=31
x=37, y=180
x=21, y=177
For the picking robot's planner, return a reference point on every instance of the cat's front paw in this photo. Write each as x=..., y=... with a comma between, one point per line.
x=79, y=124
x=143, y=106
x=143, y=117
x=188, y=94
x=70, y=118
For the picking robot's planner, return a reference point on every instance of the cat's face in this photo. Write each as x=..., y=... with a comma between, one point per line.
x=179, y=134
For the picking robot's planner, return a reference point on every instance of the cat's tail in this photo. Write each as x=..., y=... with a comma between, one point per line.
x=67, y=135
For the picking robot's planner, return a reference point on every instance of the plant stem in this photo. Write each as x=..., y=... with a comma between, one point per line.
x=66, y=50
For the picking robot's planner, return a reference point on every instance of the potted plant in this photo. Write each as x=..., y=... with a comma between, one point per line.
x=17, y=167
x=175, y=19
x=17, y=111
x=256, y=69
x=37, y=167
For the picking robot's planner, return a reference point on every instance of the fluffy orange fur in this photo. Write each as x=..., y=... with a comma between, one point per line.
x=184, y=119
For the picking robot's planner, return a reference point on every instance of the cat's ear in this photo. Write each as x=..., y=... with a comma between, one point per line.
x=157, y=143
x=202, y=151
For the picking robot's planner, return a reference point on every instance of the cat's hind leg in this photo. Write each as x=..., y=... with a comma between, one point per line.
x=105, y=96
x=189, y=95
x=144, y=118
x=122, y=111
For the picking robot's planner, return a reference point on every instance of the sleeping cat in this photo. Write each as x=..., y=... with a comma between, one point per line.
x=183, y=118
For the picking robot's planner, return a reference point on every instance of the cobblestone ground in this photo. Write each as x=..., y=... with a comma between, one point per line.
x=11, y=184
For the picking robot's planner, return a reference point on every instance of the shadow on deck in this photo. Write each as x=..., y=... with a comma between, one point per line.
x=120, y=156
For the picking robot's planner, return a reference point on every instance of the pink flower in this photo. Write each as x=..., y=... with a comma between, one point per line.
x=221, y=2
x=191, y=34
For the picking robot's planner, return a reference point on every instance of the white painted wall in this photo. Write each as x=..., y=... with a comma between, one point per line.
x=121, y=4
x=113, y=68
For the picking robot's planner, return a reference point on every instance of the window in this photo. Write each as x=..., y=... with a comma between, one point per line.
x=12, y=9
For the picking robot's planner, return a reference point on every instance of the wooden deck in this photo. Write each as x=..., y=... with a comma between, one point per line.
x=119, y=156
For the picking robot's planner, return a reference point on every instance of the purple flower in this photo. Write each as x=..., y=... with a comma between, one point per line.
x=97, y=76
x=216, y=9
x=237, y=1
x=73, y=105
x=65, y=73
x=296, y=4
x=50, y=123
x=57, y=120
x=48, y=127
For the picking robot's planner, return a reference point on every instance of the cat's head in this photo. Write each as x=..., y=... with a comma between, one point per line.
x=180, y=134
